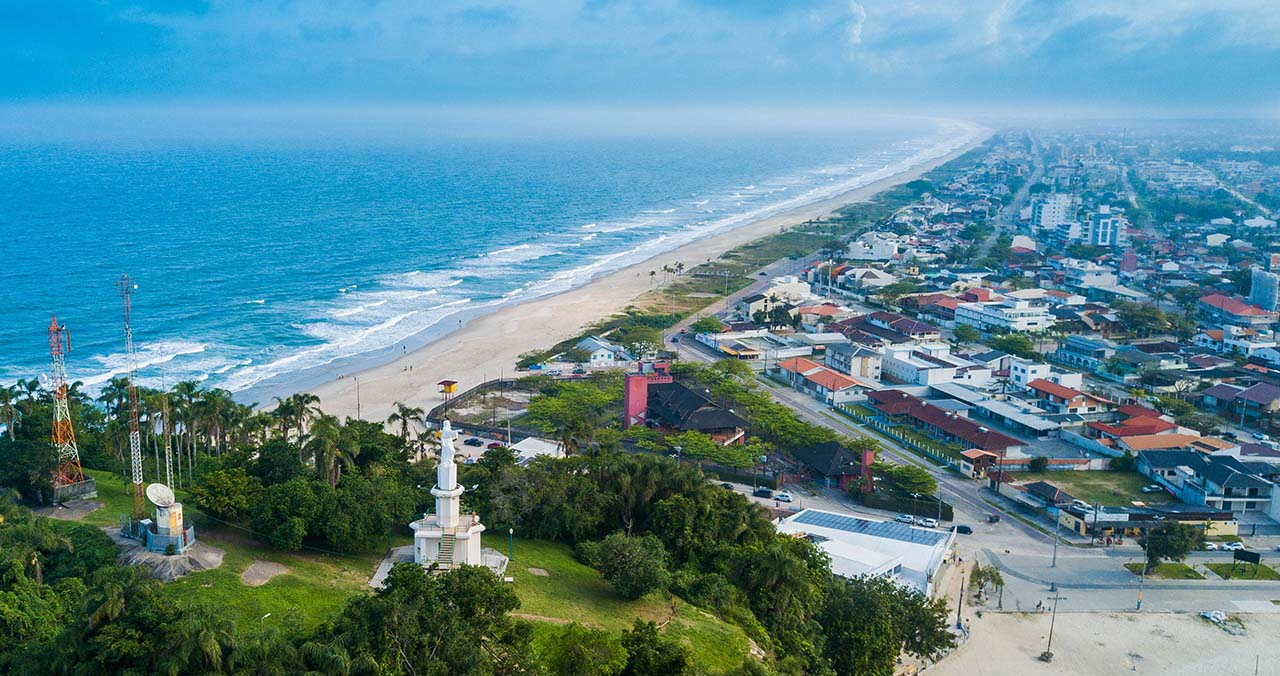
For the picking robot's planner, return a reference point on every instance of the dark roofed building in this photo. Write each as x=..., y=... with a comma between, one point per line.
x=834, y=463
x=1215, y=481
x=676, y=407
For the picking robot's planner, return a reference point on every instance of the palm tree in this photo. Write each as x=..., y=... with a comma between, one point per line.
x=8, y=412
x=404, y=415
x=332, y=448
x=206, y=639
x=29, y=539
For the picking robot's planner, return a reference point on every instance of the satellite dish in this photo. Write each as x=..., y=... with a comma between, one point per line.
x=160, y=495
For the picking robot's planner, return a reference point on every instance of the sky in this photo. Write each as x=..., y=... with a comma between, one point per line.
x=1221, y=55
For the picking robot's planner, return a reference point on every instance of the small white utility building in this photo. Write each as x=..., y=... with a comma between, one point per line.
x=909, y=555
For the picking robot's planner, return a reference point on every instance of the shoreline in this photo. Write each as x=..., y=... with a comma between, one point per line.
x=488, y=345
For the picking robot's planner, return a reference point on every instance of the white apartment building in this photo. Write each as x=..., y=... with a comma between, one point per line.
x=1004, y=316
x=931, y=364
x=1053, y=210
x=1023, y=371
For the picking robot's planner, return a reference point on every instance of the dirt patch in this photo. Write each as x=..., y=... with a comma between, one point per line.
x=260, y=572
x=539, y=572
x=541, y=618
x=72, y=510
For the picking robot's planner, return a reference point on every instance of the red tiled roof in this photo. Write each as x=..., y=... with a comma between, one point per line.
x=1135, y=427
x=799, y=365
x=1050, y=387
x=831, y=380
x=1232, y=305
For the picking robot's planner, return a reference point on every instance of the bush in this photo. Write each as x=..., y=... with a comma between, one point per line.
x=1038, y=464
x=634, y=566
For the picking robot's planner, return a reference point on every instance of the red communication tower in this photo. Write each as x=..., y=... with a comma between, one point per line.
x=68, y=471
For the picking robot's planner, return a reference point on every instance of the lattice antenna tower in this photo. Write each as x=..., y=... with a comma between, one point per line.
x=68, y=471
x=164, y=421
x=126, y=287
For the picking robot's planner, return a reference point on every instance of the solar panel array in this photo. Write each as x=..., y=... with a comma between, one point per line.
x=882, y=529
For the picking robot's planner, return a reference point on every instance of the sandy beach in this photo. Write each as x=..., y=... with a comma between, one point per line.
x=488, y=346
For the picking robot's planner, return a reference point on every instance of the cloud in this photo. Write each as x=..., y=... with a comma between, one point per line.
x=567, y=50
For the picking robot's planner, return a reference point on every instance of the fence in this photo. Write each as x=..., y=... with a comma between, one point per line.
x=926, y=506
x=892, y=432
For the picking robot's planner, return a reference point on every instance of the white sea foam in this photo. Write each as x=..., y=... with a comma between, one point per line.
x=148, y=355
x=393, y=311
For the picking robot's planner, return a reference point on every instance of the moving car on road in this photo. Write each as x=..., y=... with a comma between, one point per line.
x=762, y=492
x=726, y=485
x=905, y=518
x=782, y=497
x=1232, y=546
x=928, y=523
x=472, y=441
x=962, y=529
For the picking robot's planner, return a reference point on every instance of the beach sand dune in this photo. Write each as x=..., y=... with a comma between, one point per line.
x=490, y=345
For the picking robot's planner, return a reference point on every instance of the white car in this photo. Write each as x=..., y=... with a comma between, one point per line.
x=1211, y=547
x=1232, y=546
x=929, y=523
x=782, y=497
x=905, y=518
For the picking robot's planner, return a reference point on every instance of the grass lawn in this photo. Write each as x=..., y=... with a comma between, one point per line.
x=114, y=495
x=315, y=586
x=1101, y=487
x=1167, y=571
x=572, y=592
x=1243, y=571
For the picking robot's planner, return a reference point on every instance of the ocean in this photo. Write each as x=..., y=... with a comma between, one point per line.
x=263, y=263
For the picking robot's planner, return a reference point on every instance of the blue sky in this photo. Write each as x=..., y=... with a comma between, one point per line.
x=1166, y=54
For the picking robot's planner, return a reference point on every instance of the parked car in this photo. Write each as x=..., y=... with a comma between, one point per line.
x=1211, y=547
x=469, y=461
x=579, y=371
x=726, y=485
x=905, y=518
x=1232, y=546
x=929, y=523
x=1260, y=436
x=494, y=444
x=962, y=529
x=1153, y=488
x=782, y=497
x=762, y=492
x=472, y=441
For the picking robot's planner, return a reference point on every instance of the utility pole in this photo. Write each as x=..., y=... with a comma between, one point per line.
x=1057, y=527
x=1047, y=655
x=960, y=600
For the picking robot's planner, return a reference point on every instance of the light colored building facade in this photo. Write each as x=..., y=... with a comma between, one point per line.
x=1264, y=290
x=1004, y=316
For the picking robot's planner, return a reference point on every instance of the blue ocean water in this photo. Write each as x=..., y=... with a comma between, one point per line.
x=261, y=263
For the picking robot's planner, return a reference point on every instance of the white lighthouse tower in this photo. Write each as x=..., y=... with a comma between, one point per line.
x=447, y=538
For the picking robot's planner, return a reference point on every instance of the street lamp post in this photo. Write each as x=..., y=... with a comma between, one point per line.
x=1047, y=655
x=511, y=544
x=262, y=624
x=357, y=396
x=1142, y=577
